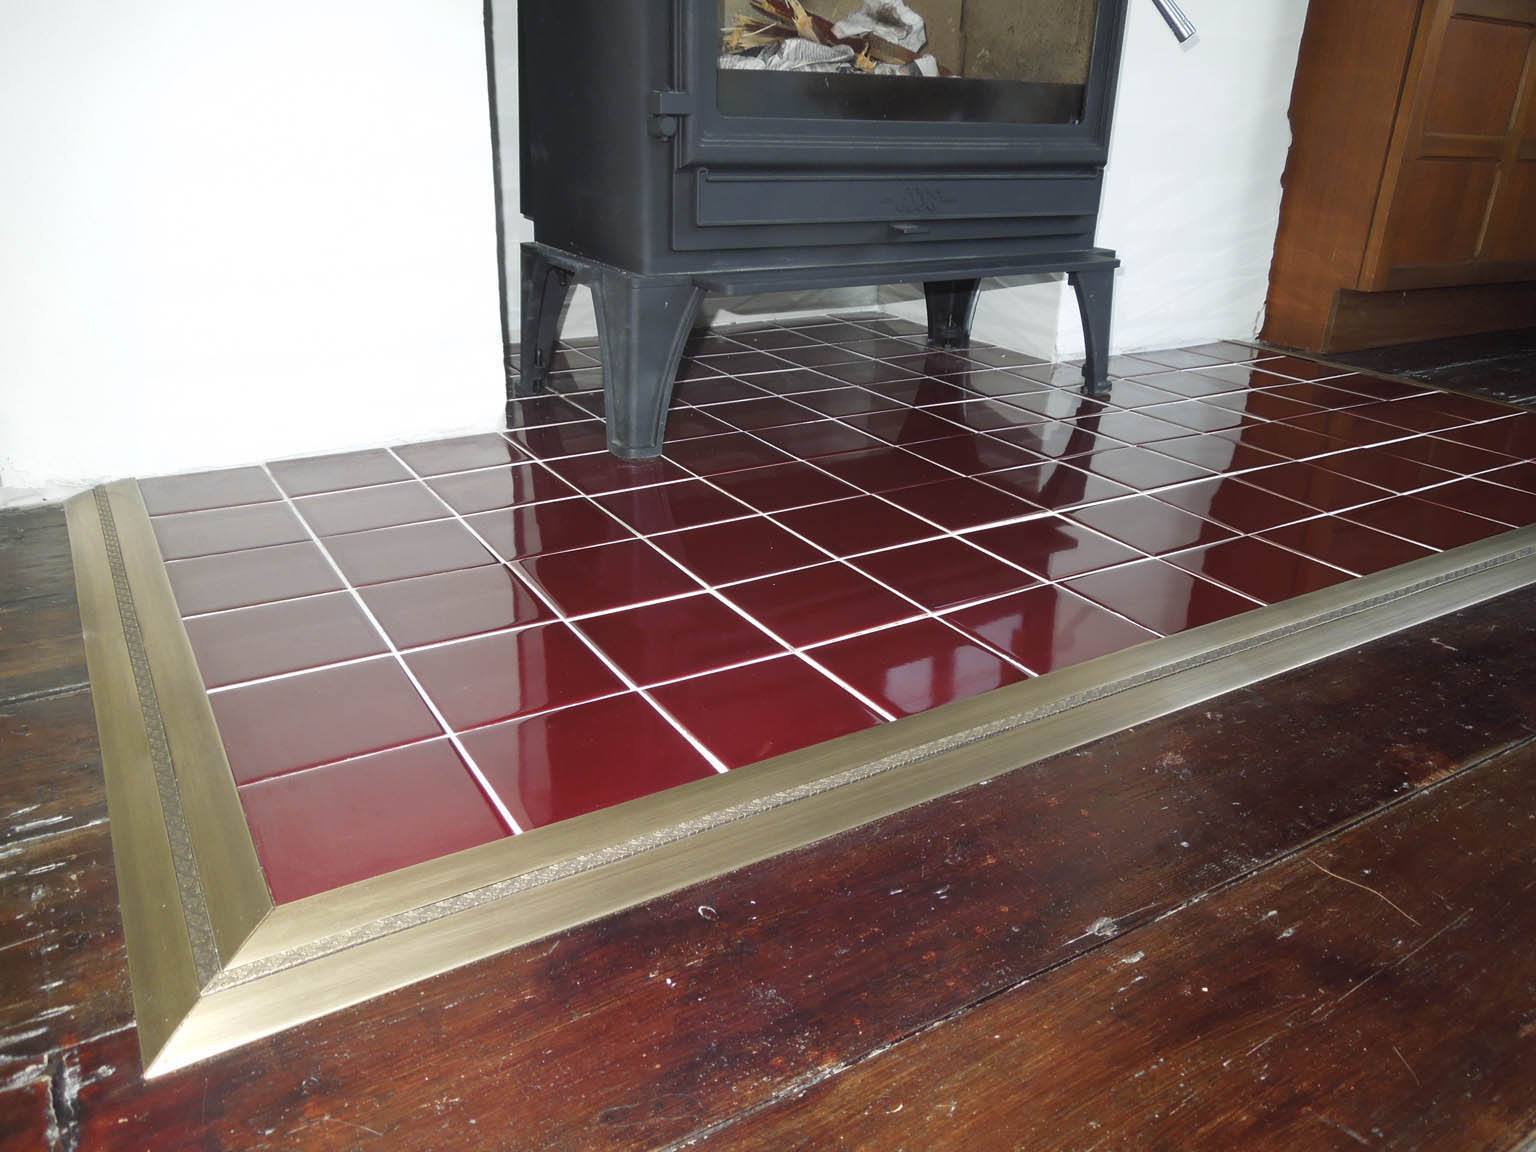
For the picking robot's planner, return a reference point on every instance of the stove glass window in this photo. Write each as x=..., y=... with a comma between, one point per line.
x=1010, y=61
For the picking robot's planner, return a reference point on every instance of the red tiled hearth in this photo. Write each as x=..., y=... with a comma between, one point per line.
x=415, y=650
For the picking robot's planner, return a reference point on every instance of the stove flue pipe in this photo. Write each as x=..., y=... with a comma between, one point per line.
x=1182, y=28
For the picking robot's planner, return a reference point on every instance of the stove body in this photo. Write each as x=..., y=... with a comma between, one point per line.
x=660, y=175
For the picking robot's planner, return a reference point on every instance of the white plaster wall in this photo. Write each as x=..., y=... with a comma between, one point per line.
x=1192, y=189
x=235, y=230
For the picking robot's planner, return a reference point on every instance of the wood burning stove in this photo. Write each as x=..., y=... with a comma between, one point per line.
x=664, y=158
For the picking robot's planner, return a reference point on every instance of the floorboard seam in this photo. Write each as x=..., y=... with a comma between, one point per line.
x=804, y=1085
x=45, y=693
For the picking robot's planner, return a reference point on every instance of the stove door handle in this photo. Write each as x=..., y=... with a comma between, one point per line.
x=1182, y=28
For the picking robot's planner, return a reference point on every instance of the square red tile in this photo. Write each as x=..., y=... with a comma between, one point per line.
x=884, y=469
x=199, y=491
x=849, y=402
x=731, y=452
x=1314, y=485
x=867, y=372
x=1385, y=470
x=917, y=666
x=1218, y=453
x=711, y=388
x=1057, y=440
x=450, y=605
x=1507, y=505
x=1160, y=597
x=550, y=442
x=508, y=487
x=743, y=363
x=1514, y=436
x=677, y=638
x=400, y=553
x=1522, y=476
x=461, y=454
x=510, y=674
x=906, y=426
x=254, y=576
x=782, y=486
x=762, y=710
x=821, y=438
x=1140, y=468
x=269, y=639
x=582, y=759
x=1056, y=486
x=363, y=509
x=767, y=412
x=1465, y=459
x=974, y=455
x=604, y=472
x=1259, y=569
x=1053, y=547
x=692, y=423
x=332, y=473
x=334, y=825
x=669, y=507
x=999, y=415
x=1141, y=427
x=943, y=573
x=1287, y=441
x=608, y=576
x=859, y=524
x=1235, y=504
x=1347, y=545
x=1425, y=522
x=1149, y=524
x=962, y=503
x=813, y=605
x=278, y=726
x=738, y=550
x=554, y=526
x=1048, y=627
x=541, y=411
x=186, y=534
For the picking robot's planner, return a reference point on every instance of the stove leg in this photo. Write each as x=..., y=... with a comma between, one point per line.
x=642, y=323
x=951, y=308
x=545, y=287
x=1095, y=289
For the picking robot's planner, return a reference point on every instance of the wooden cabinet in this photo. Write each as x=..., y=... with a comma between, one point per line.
x=1410, y=191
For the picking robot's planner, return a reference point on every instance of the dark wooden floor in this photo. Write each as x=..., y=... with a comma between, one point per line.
x=1496, y=366
x=1302, y=916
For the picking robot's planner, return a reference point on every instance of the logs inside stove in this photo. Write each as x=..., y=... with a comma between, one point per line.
x=676, y=148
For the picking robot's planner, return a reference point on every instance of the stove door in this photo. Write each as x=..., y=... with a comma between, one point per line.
x=895, y=84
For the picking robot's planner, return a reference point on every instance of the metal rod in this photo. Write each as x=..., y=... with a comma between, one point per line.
x=1180, y=23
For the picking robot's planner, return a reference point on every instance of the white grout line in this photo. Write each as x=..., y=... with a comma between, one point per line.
x=714, y=761
x=833, y=384
x=362, y=605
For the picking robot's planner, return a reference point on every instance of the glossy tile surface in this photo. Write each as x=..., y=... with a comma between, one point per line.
x=1049, y=627
x=767, y=709
x=403, y=807
x=190, y=534
x=416, y=649
x=510, y=674
x=677, y=638
x=566, y=763
x=914, y=667
x=811, y=605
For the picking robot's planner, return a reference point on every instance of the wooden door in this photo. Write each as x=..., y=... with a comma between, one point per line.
x=1458, y=200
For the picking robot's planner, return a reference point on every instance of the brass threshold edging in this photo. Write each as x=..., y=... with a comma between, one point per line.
x=275, y=967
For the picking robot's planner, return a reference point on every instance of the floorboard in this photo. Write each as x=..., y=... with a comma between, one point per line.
x=1373, y=991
